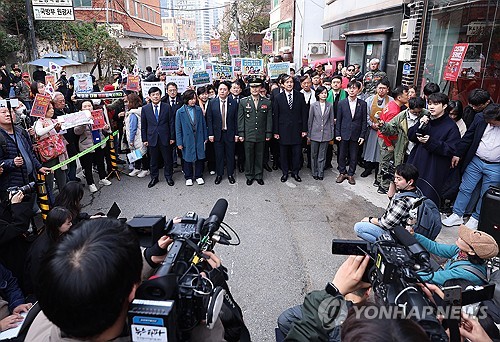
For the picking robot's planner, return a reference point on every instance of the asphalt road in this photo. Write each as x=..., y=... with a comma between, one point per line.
x=285, y=229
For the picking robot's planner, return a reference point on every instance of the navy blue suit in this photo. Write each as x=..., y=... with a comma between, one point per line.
x=158, y=133
x=350, y=129
x=223, y=139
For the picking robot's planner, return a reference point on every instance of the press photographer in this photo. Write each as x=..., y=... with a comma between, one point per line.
x=89, y=280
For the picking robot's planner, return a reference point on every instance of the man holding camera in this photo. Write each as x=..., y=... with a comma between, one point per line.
x=398, y=211
x=89, y=279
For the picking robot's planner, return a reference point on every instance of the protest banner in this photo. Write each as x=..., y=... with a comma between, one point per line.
x=191, y=66
x=236, y=64
x=50, y=79
x=267, y=46
x=133, y=82
x=252, y=66
x=234, y=47
x=200, y=78
x=148, y=85
x=454, y=65
x=215, y=47
x=115, y=94
x=83, y=117
x=276, y=69
x=98, y=117
x=181, y=81
x=169, y=63
x=222, y=72
x=40, y=105
x=83, y=83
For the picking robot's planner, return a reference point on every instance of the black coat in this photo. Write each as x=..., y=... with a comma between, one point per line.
x=214, y=119
x=467, y=146
x=348, y=127
x=290, y=123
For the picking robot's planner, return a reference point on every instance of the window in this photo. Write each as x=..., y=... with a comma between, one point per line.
x=82, y=3
x=275, y=3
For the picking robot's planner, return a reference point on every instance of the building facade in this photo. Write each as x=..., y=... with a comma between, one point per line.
x=136, y=22
x=180, y=34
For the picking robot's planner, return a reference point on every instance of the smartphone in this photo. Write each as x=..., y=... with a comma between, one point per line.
x=453, y=295
x=419, y=135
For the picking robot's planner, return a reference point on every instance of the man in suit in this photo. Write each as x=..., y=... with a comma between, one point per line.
x=236, y=90
x=173, y=101
x=255, y=127
x=157, y=131
x=350, y=130
x=222, y=122
x=290, y=126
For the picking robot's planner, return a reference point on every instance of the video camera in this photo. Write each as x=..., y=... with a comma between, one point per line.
x=25, y=189
x=396, y=259
x=178, y=289
x=387, y=170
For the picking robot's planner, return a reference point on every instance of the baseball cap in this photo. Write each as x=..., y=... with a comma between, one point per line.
x=483, y=244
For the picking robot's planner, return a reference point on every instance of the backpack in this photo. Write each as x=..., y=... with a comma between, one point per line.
x=428, y=216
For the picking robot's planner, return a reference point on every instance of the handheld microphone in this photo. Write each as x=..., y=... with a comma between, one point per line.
x=409, y=241
x=422, y=126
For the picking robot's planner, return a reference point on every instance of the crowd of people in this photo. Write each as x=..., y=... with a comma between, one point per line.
x=448, y=150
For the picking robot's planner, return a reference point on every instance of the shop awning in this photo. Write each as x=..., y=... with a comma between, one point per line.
x=286, y=25
x=370, y=31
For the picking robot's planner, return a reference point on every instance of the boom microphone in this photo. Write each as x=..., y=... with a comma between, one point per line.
x=216, y=216
x=409, y=241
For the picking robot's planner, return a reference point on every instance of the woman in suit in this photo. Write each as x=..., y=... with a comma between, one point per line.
x=320, y=131
x=191, y=133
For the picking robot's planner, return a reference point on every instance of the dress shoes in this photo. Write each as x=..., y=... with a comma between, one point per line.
x=297, y=178
x=260, y=181
x=376, y=183
x=249, y=181
x=231, y=179
x=284, y=178
x=351, y=180
x=241, y=169
x=275, y=166
x=366, y=173
x=218, y=179
x=170, y=182
x=267, y=168
x=153, y=182
x=342, y=177
x=320, y=178
x=315, y=177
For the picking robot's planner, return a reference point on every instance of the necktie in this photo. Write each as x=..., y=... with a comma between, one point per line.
x=156, y=112
x=173, y=103
x=224, y=115
x=290, y=100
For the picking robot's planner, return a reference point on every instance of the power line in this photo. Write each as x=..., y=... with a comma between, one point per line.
x=188, y=9
x=128, y=14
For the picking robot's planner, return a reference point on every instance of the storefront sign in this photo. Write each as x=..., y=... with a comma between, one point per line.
x=454, y=65
x=406, y=69
x=53, y=13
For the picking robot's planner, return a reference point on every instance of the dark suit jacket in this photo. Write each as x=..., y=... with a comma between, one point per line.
x=290, y=123
x=467, y=146
x=178, y=104
x=152, y=130
x=348, y=127
x=214, y=119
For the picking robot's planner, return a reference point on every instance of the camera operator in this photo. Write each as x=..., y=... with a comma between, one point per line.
x=88, y=280
x=398, y=211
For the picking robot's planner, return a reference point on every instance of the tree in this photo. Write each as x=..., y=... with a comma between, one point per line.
x=252, y=17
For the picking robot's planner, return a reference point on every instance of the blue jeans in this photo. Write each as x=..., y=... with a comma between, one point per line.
x=368, y=231
x=475, y=171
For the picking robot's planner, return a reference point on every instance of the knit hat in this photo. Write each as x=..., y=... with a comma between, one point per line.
x=484, y=245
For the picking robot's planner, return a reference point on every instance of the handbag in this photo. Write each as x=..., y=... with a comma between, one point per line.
x=51, y=146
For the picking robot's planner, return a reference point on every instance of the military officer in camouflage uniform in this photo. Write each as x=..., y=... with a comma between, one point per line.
x=372, y=77
x=255, y=126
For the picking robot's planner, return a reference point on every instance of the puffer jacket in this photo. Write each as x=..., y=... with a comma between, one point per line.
x=86, y=141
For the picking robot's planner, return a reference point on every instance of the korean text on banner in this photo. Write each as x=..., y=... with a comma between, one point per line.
x=148, y=85
x=98, y=117
x=133, y=82
x=454, y=65
x=251, y=66
x=222, y=72
x=191, y=66
x=181, y=81
x=83, y=117
x=215, y=47
x=83, y=83
x=276, y=69
x=234, y=47
x=40, y=105
x=169, y=63
x=201, y=78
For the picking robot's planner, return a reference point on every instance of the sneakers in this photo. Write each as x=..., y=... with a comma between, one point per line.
x=134, y=173
x=92, y=188
x=453, y=220
x=212, y=173
x=472, y=223
x=104, y=182
x=189, y=182
x=200, y=181
x=381, y=190
x=143, y=173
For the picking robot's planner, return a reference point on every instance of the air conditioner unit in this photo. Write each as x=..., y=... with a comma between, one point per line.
x=317, y=48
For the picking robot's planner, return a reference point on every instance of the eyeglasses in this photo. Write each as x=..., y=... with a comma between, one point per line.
x=350, y=69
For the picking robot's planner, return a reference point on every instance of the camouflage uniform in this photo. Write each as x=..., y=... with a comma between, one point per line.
x=371, y=79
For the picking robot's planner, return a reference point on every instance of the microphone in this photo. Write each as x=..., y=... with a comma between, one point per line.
x=216, y=216
x=409, y=241
x=422, y=126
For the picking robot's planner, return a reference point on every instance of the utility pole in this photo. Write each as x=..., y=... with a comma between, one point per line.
x=234, y=13
x=31, y=30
